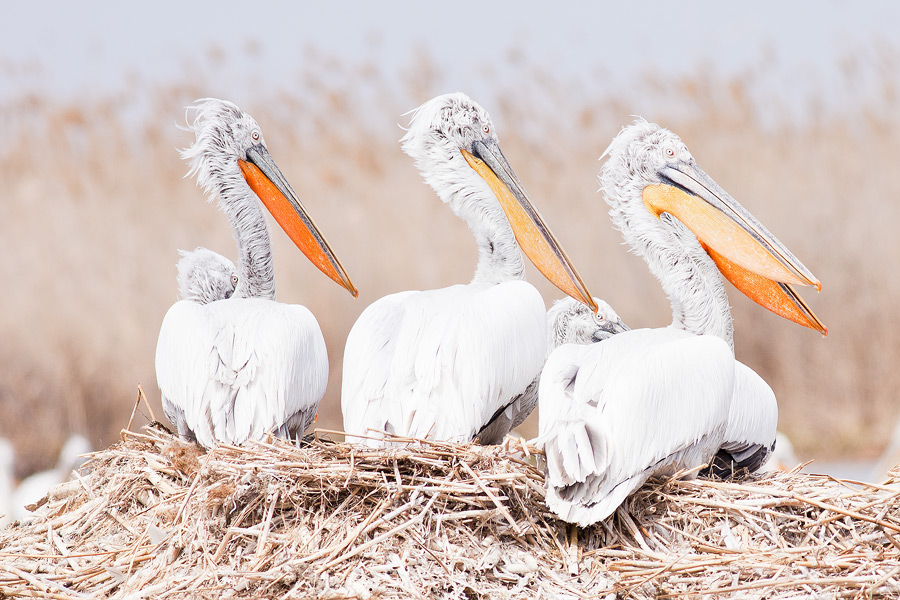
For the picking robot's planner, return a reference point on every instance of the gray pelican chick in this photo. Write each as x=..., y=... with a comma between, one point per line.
x=205, y=276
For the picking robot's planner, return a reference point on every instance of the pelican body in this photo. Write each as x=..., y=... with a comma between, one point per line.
x=235, y=367
x=656, y=401
x=451, y=364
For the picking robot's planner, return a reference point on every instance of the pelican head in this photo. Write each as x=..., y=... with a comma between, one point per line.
x=229, y=158
x=655, y=190
x=205, y=276
x=455, y=146
x=571, y=322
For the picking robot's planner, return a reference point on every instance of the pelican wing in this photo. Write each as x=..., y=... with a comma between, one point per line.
x=234, y=369
x=752, y=422
x=368, y=354
x=642, y=403
x=441, y=363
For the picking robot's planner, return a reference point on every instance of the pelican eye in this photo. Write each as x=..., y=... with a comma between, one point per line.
x=598, y=318
x=670, y=152
x=486, y=128
x=234, y=280
x=255, y=135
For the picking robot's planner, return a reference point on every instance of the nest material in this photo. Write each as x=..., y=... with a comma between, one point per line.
x=154, y=518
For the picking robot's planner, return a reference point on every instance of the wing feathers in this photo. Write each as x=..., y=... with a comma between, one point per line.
x=441, y=363
x=614, y=413
x=235, y=369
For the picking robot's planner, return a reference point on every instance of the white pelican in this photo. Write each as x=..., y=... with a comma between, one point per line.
x=205, y=276
x=654, y=401
x=7, y=464
x=782, y=457
x=232, y=370
x=34, y=487
x=889, y=459
x=449, y=364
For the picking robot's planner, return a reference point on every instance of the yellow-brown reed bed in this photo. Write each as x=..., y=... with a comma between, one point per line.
x=152, y=517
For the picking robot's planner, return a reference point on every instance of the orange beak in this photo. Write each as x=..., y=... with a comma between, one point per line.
x=750, y=257
x=534, y=237
x=266, y=180
x=780, y=298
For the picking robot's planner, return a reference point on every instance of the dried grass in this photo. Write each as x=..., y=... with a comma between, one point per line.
x=152, y=517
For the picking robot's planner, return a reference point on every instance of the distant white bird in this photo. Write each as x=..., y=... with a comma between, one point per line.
x=7, y=465
x=889, y=459
x=654, y=401
x=450, y=364
x=233, y=370
x=35, y=487
x=782, y=457
x=205, y=276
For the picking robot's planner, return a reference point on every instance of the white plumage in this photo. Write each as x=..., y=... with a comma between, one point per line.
x=34, y=487
x=654, y=401
x=7, y=465
x=233, y=368
x=241, y=367
x=450, y=363
x=644, y=402
x=205, y=276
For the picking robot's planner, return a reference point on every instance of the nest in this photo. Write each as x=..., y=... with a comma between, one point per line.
x=152, y=517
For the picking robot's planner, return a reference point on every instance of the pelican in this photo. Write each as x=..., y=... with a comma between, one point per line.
x=7, y=464
x=450, y=364
x=205, y=276
x=656, y=401
x=233, y=370
x=782, y=457
x=34, y=487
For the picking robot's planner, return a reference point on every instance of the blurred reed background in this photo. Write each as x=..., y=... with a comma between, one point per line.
x=95, y=206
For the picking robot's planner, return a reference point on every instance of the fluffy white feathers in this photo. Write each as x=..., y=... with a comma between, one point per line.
x=673, y=253
x=205, y=276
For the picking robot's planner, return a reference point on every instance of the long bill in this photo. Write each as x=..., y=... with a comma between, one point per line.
x=722, y=224
x=780, y=298
x=266, y=180
x=744, y=251
x=534, y=237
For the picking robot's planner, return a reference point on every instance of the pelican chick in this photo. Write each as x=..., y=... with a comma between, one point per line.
x=205, y=276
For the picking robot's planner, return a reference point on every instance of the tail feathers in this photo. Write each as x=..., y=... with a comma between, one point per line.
x=585, y=505
x=736, y=461
x=576, y=451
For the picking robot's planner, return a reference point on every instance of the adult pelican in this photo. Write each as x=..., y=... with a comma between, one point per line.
x=654, y=401
x=232, y=370
x=205, y=276
x=452, y=363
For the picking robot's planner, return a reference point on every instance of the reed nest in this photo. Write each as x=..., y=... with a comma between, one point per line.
x=152, y=517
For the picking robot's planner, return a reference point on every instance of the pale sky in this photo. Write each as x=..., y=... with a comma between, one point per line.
x=78, y=48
